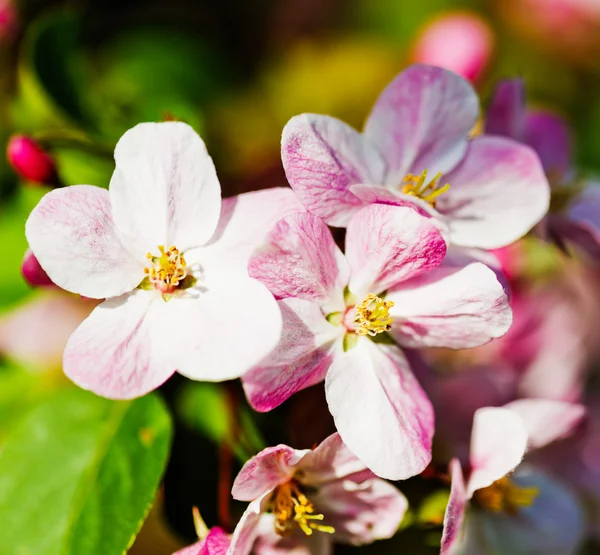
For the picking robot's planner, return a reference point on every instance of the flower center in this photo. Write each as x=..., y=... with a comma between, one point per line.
x=417, y=186
x=504, y=496
x=168, y=271
x=293, y=510
x=373, y=316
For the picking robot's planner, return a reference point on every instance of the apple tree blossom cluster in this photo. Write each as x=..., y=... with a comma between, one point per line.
x=391, y=253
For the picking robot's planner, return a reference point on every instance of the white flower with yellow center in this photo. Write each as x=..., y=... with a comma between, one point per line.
x=169, y=258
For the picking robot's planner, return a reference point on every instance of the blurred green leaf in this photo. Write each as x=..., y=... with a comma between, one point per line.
x=12, y=230
x=205, y=408
x=51, y=74
x=78, y=474
x=77, y=167
x=432, y=509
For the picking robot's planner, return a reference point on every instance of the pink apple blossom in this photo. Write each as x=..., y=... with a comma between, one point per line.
x=525, y=512
x=575, y=206
x=342, y=314
x=417, y=150
x=459, y=41
x=303, y=500
x=33, y=273
x=169, y=258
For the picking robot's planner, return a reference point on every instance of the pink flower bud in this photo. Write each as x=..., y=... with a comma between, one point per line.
x=460, y=42
x=33, y=273
x=9, y=20
x=30, y=161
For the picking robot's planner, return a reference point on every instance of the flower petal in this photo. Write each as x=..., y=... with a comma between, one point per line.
x=455, y=307
x=301, y=358
x=72, y=234
x=216, y=543
x=549, y=135
x=330, y=461
x=165, y=189
x=547, y=420
x=302, y=260
x=245, y=223
x=119, y=351
x=323, y=157
x=265, y=471
x=553, y=525
x=247, y=528
x=393, y=435
x=361, y=512
x=506, y=113
x=226, y=330
x=497, y=194
x=422, y=121
x=389, y=244
x=498, y=443
x=455, y=510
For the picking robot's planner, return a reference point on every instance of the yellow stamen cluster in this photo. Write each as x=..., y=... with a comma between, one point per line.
x=504, y=496
x=372, y=316
x=293, y=510
x=417, y=186
x=168, y=269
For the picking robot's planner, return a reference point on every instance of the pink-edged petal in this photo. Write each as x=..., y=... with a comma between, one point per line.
x=301, y=259
x=394, y=432
x=301, y=358
x=164, y=190
x=120, y=351
x=224, y=331
x=323, y=157
x=197, y=548
x=450, y=307
x=361, y=512
x=547, y=420
x=455, y=510
x=376, y=194
x=506, y=112
x=550, y=137
x=247, y=528
x=422, y=121
x=386, y=245
x=497, y=194
x=72, y=234
x=498, y=443
x=245, y=223
x=331, y=460
x=265, y=471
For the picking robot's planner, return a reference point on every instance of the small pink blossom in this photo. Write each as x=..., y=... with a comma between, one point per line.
x=575, y=206
x=31, y=161
x=217, y=542
x=461, y=42
x=523, y=512
x=302, y=500
x=169, y=258
x=342, y=314
x=417, y=150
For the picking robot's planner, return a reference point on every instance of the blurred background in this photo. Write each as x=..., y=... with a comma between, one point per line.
x=75, y=75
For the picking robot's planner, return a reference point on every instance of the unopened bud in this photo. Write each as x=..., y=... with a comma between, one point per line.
x=31, y=161
x=460, y=42
x=33, y=273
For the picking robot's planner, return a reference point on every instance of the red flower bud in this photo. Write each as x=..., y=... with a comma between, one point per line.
x=33, y=273
x=30, y=160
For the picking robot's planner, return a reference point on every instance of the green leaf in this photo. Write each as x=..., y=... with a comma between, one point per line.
x=78, y=474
